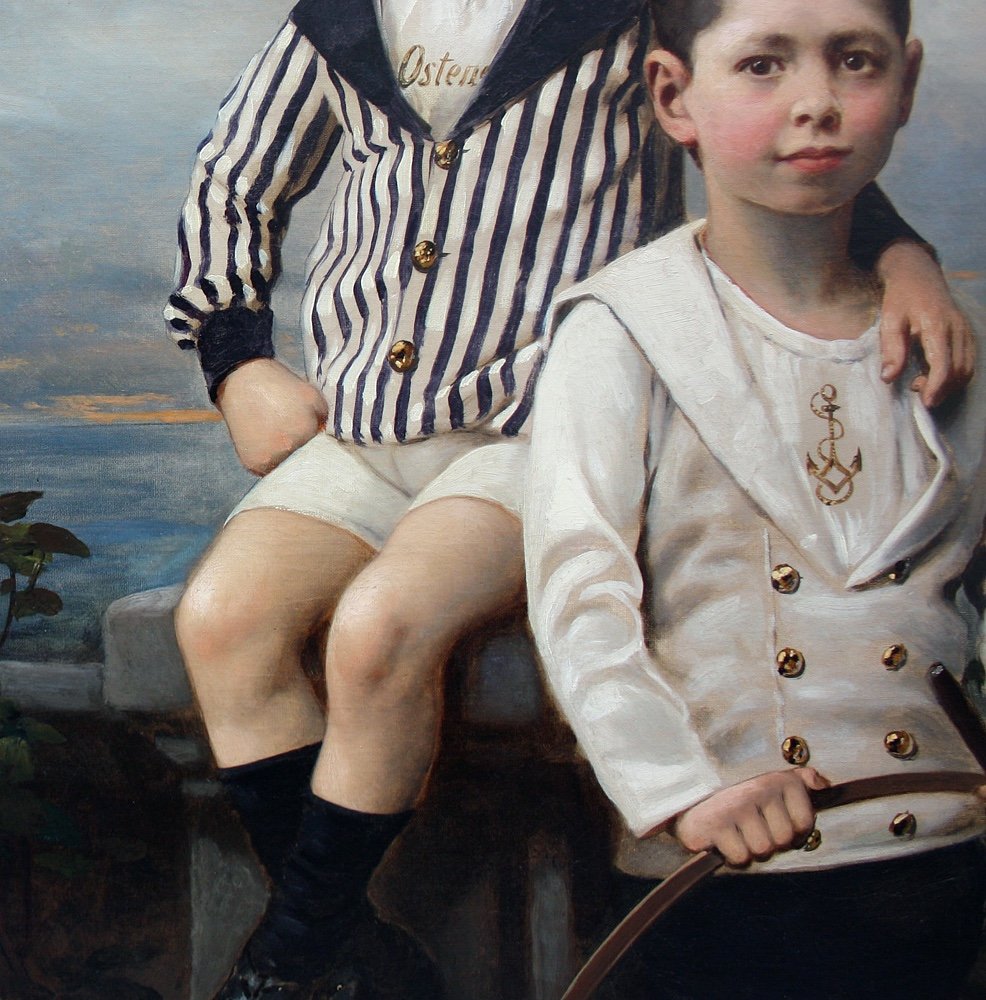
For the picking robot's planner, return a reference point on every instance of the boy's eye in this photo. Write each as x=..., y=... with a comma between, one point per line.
x=858, y=62
x=761, y=65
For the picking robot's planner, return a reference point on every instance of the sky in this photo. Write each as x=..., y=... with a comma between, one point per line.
x=102, y=103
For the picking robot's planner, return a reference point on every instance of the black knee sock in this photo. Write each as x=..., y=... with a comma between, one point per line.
x=322, y=892
x=269, y=795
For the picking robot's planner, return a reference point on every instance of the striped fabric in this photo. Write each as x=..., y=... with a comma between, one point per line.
x=545, y=190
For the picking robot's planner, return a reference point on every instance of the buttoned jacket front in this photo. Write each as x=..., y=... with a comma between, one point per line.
x=740, y=647
x=438, y=256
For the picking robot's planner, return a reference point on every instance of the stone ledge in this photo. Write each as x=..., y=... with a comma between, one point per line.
x=59, y=687
x=144, y=672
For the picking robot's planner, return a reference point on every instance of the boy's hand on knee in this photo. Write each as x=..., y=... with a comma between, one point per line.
x=754, y=819
x=918, y=308
x=270, y=412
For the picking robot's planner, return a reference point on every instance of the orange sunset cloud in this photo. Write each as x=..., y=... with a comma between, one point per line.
x=138, y=408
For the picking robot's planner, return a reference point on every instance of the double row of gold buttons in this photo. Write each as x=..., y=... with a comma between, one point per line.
x=899, y=743
x=403, y=355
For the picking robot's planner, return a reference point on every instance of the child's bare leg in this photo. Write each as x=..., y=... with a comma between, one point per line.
x=449, y=566
x=268, y=581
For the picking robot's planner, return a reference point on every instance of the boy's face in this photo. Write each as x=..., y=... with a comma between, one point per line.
x=793, y=104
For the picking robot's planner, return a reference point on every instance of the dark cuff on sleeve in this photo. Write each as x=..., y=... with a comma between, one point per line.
x=229, y=338
x=875, y=225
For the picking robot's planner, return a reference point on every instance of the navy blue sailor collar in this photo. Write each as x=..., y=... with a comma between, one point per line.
x=547, y=34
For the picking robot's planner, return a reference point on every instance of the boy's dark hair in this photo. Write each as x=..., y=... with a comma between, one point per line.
x=679, y=21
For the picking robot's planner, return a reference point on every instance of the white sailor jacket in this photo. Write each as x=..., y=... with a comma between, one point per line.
x=437, y=260
x=693, y=621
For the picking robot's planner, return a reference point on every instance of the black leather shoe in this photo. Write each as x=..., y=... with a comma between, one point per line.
x=249, y=980
x=381, y=962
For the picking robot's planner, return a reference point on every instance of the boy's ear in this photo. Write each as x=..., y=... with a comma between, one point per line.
x=667, y=79
x=913, y=54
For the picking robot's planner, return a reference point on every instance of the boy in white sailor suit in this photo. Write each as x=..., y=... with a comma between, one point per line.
x=490, y=155
x=742, y=544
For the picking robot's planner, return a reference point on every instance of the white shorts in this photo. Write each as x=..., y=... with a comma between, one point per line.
x=367, y=490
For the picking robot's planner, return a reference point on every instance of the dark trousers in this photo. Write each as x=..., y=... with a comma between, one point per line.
x=908, y=929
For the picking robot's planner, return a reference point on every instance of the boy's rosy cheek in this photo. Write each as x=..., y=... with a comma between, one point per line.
x=875, y=118
x=745, y=138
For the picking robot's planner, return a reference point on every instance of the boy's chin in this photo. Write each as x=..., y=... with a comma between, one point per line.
x=811, y=204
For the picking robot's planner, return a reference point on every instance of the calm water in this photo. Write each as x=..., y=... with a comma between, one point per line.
x=145, y=498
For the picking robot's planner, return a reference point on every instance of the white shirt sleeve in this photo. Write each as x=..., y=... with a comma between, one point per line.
x=599, y=406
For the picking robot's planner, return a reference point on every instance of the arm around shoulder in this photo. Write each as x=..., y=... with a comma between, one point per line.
x=917, y=307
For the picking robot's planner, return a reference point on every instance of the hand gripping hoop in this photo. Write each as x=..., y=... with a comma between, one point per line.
x=952, y=700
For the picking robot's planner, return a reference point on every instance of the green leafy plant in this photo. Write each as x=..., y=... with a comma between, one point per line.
x=23, y=814
x=26, y=549
x=33, y=832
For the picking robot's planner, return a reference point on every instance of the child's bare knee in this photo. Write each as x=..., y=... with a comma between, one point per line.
x=194, y=618
x=214, y=619
x=382, y=637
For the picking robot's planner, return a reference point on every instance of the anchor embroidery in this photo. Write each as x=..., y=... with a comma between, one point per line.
x=835, y=480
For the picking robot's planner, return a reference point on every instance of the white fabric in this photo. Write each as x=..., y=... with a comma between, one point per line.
x=441, y=52
x=798, y=366
x=655, y=444
x=367, y=491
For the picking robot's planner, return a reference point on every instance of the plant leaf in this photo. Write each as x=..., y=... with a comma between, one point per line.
x=40, y=732
x=21, y=558
x=13, y=506
x=51, y=538
x=12, y=533
x=37, y=601
x=16, y=764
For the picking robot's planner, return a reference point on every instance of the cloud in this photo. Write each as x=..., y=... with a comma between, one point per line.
x=136, y=408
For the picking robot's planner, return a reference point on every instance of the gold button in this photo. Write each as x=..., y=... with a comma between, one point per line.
x=790, y=662
x=424, y=255
x=446, y=153
x=895, y=656
x=785, y=579
x=814, y=840
x=900, y=744
x=900, y=572
x=903, y=825
x=402, y=356
x=795, y=750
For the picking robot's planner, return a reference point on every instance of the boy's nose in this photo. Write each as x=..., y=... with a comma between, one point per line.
x=818, y=106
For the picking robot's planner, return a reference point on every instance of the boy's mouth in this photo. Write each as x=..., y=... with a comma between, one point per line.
x=817, y=159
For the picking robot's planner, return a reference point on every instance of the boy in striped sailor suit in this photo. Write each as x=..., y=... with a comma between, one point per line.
x=744, y=547
x=490, y=155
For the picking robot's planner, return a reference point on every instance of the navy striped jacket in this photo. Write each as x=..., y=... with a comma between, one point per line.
x=435, y=265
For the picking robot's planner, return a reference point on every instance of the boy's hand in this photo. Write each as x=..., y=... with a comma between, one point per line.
x=918, y=306
x=270, y=412
x=754, y=819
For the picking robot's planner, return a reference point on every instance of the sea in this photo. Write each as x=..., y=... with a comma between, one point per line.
x=145, y=498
